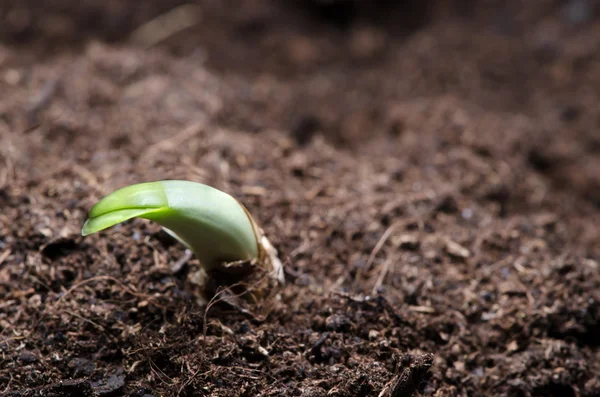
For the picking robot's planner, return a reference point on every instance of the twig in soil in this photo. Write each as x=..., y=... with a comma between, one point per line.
x=382, y=240
x=6, y=340
x=7, y=388
x=7, y=175
x=387, y=306
x=166, y=25
x=301, y=249
x=422, y=309
x=39, y=103
x=145, y=350
x=4, y=255
x=383, y=273
x=213, y=301
x=128, y=289
x=177, y=266
x=87, y=176
x=216, y=299
x=87, y=320
x=353, y=298
x=39, y=281
x=172, y=142
x=68, y=387
x=188, y=381
x=89, y=280
x=315, y=349
x=159, y=372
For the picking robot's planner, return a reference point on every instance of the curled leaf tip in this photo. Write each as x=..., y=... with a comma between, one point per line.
x=126, y=203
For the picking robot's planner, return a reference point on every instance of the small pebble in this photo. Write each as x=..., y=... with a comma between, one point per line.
x=467, y=213
x=337, y=322
x=27, y=357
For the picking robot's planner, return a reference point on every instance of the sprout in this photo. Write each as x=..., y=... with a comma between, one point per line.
x=216, y=227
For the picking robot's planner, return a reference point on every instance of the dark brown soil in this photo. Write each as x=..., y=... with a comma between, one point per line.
x=430, y=176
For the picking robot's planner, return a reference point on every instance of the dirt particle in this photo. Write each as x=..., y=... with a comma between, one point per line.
x=407, y=241
x=28, y=357
x=304, y=128
x=570, y=113
x=110, y=385
x=367, y=42
x=373, y=334
x=447, y=205
x=313, y=392
x=412, y=371
x=541, y=161
x=591, y=388
x=60, y=247
x=446, y=391
x=456, y=250
x=302, y=51
x=81, y=367
x=338, y=323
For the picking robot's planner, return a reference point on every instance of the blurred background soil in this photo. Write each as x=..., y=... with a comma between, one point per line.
x=428, y=170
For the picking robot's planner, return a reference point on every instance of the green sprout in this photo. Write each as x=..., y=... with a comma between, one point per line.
x=213, y=225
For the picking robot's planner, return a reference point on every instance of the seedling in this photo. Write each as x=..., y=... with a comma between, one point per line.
x=213, y=225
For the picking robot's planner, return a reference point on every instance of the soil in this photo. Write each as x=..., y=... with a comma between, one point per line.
x=429, y=174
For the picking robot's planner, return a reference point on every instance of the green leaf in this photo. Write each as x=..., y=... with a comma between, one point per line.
x=104, y=221
x=211, y=223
